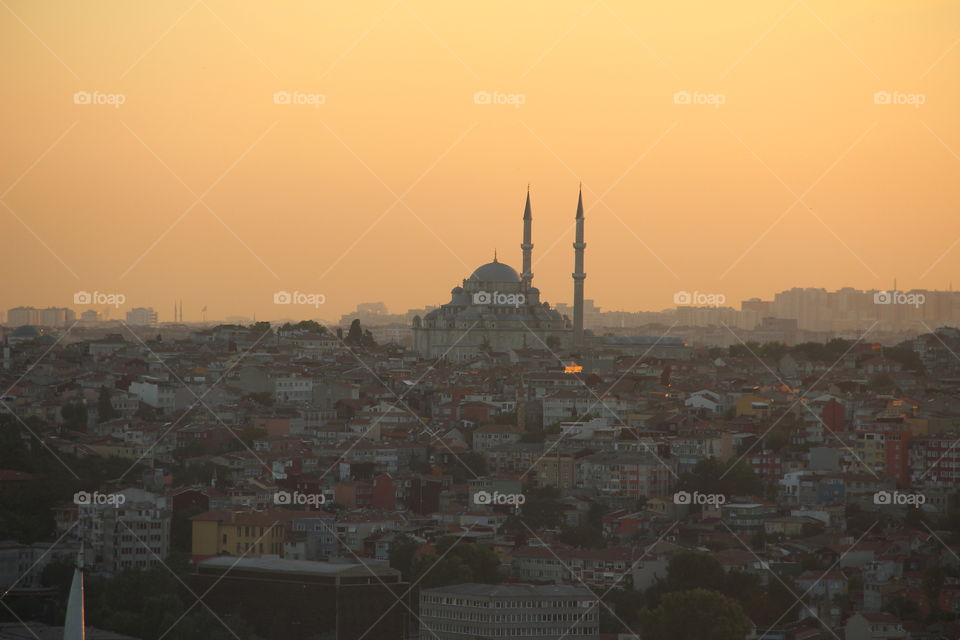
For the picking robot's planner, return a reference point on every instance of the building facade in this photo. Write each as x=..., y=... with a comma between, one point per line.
x=482, y=611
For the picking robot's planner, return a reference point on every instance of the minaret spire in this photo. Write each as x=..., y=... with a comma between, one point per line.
x=527, y=245
x=578, y=274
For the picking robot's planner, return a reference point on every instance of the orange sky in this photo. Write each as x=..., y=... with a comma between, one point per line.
x=398, y=184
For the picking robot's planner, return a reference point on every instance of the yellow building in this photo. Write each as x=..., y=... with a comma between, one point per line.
x=557, y=470
x=109, y=447
x=237, y=533
x=753, y=405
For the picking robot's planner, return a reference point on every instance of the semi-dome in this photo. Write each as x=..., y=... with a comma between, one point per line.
x=495, y=272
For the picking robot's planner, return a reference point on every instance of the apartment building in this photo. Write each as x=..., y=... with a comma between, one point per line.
x=482, y=611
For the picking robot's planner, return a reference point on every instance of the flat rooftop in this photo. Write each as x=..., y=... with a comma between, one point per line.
x=275, y=564
x=514, y=590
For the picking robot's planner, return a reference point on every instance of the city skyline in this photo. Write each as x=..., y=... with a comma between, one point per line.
x=420, y=320
x=695, y=300
x=788, y=147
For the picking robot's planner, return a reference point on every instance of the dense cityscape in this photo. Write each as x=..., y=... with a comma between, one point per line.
x=424, y=320
x=491, y=469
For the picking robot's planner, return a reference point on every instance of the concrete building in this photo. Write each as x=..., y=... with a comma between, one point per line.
x=57, y=317
x=127, y=534
x=19, y=316
x=304, y=600
x=626, y=474
x=21, y=565
x=482, y=611
x=144, y=316
x=156, y=393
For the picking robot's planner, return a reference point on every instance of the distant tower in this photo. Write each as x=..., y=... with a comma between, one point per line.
x=527, y=244
x=578, y=275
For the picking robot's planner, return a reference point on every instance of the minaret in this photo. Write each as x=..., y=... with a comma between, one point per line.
x=527, y=245
x=578, y=275
x=74, y=623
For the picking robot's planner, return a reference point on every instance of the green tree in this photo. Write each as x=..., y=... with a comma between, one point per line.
x=355, y=334
x=731, y=478
x=304, y=325
x=882, y=383
x=74, y=416
x=698, y=614
x=105, y=410
x=465, y=466
x=583, y=537
x=457, y=562
x=692, y=569
x=542, y=509
x=402, y=556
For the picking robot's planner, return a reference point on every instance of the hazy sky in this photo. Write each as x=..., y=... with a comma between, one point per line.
x=390, y=182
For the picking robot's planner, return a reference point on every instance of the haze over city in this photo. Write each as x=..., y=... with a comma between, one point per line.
x=391, y=182
x=426, y=320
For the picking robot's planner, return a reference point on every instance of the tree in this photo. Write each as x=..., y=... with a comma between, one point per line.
x=584, y=537
x=713, y=476
x=105, y=410
x=691, y=569
x=882, y=383
x=457, y=562
x=465, y=466
x=904, y=354
x=542, y=509
x=402, y=556
x=59, y=573
x=933, y=579
x=304, y=325
x=263, y=398
x=74, y=416
x=249, y=434
x=355, y=334
x=698, y=614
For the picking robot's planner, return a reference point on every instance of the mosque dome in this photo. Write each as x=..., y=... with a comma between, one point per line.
x=495, y=272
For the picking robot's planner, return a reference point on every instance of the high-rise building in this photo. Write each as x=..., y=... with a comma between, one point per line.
x=57, y=317
x=144, y=316
x=132, y=532
x=19, y=316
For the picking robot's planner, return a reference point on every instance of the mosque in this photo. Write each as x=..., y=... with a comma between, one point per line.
x=499, y=309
